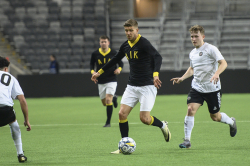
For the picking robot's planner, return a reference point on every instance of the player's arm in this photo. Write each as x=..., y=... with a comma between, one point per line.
x=157, y=63
x=119, y=69
x=221, y=68
x=111, y=63
x=24, y=108
x=189, y=73
x=92, y=65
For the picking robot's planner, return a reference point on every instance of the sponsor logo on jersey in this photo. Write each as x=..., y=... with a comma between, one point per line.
x=215, y=108
x=188, y=98
x=201, y=53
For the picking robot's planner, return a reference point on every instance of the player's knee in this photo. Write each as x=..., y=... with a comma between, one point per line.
x=122, y=115
x=145, y=120
x=190, y=111
x=108, y=101
x=215, y=118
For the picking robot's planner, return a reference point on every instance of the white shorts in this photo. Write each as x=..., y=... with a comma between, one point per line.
x=144, y=94
x=108, y=88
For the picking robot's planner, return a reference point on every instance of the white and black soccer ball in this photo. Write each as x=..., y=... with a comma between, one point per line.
x=127, y=145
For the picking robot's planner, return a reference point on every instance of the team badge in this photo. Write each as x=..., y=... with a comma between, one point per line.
x=201, y=53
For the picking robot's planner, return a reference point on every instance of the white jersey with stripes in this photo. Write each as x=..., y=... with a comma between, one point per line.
x=204, y=61
x=9, y=89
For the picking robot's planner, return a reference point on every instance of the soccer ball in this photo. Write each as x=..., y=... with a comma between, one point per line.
x=127, y=145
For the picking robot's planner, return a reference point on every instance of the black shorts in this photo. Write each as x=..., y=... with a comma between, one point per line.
x=213, y=99
x=7, y=115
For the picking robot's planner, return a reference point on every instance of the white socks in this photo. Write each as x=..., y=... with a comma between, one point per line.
x=188, y=126
x=226, y=119
x=16, y=135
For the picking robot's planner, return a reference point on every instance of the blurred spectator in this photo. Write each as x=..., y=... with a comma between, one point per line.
x=54, y=66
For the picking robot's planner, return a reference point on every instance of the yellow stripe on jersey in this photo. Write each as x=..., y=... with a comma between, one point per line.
x=152, y=120
x=109, y=104
x=104, y=53
x=136, y=40
x=100, y=71
x=92, y=71
x=123, y=121
x=120, y=68
x=155, y=74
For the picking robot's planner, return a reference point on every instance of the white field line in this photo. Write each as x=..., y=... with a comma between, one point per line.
x=98, y=124
x=92, y=124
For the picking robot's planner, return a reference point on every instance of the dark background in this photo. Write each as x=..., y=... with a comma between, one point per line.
x=233, y=81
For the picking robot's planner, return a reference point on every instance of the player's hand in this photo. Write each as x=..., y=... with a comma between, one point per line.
x=215, y=78
x=157, y=82
x=176, y=80
x=117, y=71
x=94, y=77
x=93, y=73
x=27, y=124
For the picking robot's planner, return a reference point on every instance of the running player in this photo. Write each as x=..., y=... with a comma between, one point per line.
x=204, y=60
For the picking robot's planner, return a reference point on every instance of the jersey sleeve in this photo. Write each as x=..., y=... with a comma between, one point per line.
x=116, y=59
x=216, y=54
x=16, y=89
x=156, y=56
x=191, y=64
x=92, y=63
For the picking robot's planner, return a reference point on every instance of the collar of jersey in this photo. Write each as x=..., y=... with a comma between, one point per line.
x=136, y=40
x=104, y=53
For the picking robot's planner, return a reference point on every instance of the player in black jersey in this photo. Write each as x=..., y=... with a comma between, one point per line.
x=107, y=83
x=145, y=63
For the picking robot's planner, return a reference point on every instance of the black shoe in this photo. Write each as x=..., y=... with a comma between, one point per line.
x=21, y=158
x=107, y=125
x=115, y=101
x=233, y=129
x=185, y=144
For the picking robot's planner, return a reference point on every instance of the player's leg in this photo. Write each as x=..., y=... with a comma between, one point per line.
x=194, y=101
x=147, y=95
x=109, y=109
x=16, y=136
x=110, y=91
x=214, y=102
x=128, y=101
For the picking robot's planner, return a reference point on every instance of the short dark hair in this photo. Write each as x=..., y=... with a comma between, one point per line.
x=130, y=23
x=4, y=63
x=196, y=29
x=104, y=37
x=53, y=56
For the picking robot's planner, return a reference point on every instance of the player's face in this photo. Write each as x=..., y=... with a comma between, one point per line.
x=104, y=43
x=131, y=33
x=197, y=39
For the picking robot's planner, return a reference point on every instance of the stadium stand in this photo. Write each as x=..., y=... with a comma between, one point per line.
x=70, y=30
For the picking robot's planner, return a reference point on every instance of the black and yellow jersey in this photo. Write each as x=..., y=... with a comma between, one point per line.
x=99, y=58
x=144, y=60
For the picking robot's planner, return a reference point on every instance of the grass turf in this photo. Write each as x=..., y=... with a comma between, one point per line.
x=68, y=131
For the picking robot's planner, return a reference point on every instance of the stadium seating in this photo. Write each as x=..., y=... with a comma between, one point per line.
x=39, y=28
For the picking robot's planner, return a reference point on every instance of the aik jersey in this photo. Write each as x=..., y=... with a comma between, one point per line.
x=143, y=59
x=9, y=89
x=99, y=59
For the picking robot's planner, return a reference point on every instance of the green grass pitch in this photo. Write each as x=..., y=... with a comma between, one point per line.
x=69, y=132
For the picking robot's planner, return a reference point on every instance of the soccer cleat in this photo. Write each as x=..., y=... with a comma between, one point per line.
x=185, y=144
x=166, y=132
x=116, y=152
x=21, y=158
x=115, y=101
x=107, y=125
x=233, y=129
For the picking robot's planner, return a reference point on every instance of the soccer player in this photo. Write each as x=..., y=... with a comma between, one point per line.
x=204, y=60
x=145, y=63
x=10, y=88
x=107, y=83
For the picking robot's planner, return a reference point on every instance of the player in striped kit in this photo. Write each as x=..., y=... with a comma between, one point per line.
x=10, y=89
x=204, y=60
